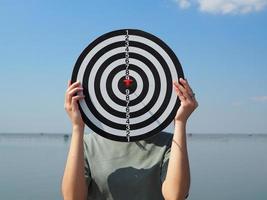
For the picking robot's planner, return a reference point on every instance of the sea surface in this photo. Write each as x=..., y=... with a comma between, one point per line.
x=223, y=166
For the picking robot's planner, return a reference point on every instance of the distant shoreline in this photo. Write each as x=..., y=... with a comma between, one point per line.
x=188, y=134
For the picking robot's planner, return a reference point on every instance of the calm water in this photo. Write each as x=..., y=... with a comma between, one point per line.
x=223, y=167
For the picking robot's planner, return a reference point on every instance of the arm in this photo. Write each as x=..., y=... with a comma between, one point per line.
x=177, y=182
x=73, y=183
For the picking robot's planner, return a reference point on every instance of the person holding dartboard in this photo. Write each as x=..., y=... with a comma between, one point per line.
x=127, y=86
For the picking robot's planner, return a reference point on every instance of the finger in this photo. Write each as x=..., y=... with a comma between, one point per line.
x=177, y=85
x=185, y=84
x=72, y=92
x=75, y=84
x=183, y=90
x=191, y=92
x=179, y=93
x=67, y=99
x=187, y=92
x=75, y=99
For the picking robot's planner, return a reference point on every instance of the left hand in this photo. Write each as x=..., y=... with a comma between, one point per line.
x=187, y=98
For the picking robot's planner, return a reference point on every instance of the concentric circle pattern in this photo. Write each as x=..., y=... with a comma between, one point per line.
x=101, y=70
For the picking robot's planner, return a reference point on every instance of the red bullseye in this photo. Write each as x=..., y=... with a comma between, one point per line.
x=127, y=82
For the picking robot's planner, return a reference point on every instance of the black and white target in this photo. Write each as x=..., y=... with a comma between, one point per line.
x=153, y=67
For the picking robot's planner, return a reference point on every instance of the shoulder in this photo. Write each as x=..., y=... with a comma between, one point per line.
x=90, y=141
x=87, y=137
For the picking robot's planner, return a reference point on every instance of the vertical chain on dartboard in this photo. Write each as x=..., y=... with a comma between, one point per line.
x=127, y=91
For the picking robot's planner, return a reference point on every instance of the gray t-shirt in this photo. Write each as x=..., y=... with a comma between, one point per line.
x=120, y=170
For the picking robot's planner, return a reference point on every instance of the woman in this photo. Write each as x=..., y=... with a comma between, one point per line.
x=156, y=168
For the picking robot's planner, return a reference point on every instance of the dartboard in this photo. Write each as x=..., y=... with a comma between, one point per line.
x=127, y=76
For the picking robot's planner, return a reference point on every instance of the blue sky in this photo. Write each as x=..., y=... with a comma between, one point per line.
x=222, y=47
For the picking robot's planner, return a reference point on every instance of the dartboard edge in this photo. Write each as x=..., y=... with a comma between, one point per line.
x=143, y=47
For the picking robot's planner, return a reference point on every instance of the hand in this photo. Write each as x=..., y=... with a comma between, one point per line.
x=71, y=103
x=187, y=98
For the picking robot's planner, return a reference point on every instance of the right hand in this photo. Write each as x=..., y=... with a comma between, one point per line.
x=71, y=103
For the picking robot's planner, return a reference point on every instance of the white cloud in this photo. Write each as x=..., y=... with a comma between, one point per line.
x=231, y=6
x=225, y=6
x=260, y=98
x=183, y=3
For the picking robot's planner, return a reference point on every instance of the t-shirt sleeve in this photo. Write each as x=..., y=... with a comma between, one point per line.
x=87, y=172
x=165, y=162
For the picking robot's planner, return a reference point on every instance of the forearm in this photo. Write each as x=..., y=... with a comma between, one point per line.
x=73, y=183
x=177, y=181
